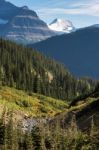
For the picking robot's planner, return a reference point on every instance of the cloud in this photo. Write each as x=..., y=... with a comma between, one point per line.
x=79, y=8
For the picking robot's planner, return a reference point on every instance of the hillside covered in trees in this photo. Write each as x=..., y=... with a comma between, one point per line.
x=44, y=104
x=75, y=129
x=29, y=120
x=27, y=69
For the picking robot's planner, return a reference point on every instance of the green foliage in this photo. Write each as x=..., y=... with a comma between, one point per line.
x=29, y=70
x=47, y=137
x=37, y=137
x=2, y=130
x=23, y=103
x=31, y=105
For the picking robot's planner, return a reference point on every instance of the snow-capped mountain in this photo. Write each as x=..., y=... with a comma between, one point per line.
x=22, y=24
x=62, y=26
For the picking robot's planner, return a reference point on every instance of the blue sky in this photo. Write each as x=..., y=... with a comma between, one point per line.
x=80, y=12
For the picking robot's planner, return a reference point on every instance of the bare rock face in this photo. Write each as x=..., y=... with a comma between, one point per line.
x=22, y=24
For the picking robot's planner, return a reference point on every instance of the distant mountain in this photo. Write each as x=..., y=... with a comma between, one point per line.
x=7, y=10
x=96, y=25
x=22, y=24
x=62, y=26
x=79, y=50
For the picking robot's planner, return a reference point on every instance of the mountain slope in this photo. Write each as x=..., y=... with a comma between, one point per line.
x=66, y=129
x=29, y=120
x=81, y=114
x=29, y=70
x=28, y=110
x=79, y=50
x=33, y=105
x=6, y=9
x=22, y=24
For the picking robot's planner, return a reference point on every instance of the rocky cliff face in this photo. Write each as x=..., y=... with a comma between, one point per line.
x=22, y=24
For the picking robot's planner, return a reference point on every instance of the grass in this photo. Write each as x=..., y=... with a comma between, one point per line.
x=31, y=106
x=82, y=105
x=26, y=105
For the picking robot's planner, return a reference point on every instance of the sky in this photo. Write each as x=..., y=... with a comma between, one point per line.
x=81, y=12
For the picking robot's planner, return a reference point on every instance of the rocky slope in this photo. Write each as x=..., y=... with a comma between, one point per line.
x=28, y=110
x=22, y=24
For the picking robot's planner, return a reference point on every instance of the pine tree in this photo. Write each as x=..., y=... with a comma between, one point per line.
x=9, y=134
x=2, y=136
x=28, y=141
x=36, y=137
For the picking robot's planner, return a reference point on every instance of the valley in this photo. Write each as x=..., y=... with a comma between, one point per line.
x=49, y=76
x=39, y=101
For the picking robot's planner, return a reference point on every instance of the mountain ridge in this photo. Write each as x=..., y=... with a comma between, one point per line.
x=23, y=25
x=76, y=50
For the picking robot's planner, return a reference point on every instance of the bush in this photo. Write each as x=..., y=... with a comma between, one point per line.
x=23, y=103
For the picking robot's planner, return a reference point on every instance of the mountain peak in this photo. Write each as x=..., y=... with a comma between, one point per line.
x=25, y=7
x=55, y=20
x=61, y=25
x=22, y=24
x=59, y=20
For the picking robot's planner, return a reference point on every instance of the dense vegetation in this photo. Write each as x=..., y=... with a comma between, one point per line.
x=44, y=137
x=56, y=134
x=31, y=121
x=34, y=105
x=29, y=70
x=59, y=133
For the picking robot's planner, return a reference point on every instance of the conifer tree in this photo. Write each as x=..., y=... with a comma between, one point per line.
x=28, y=141
x=36, y=137
x=2, y=136
x=9, y=134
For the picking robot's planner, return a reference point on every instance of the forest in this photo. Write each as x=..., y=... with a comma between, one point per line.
x=47, y=137
x=29, y=70
x=32, y=84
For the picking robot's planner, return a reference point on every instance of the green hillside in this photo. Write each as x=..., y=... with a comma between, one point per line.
x=76, y=128
x=29, y=70
x=30, y=119
x=33, y=105
x=84, y=109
